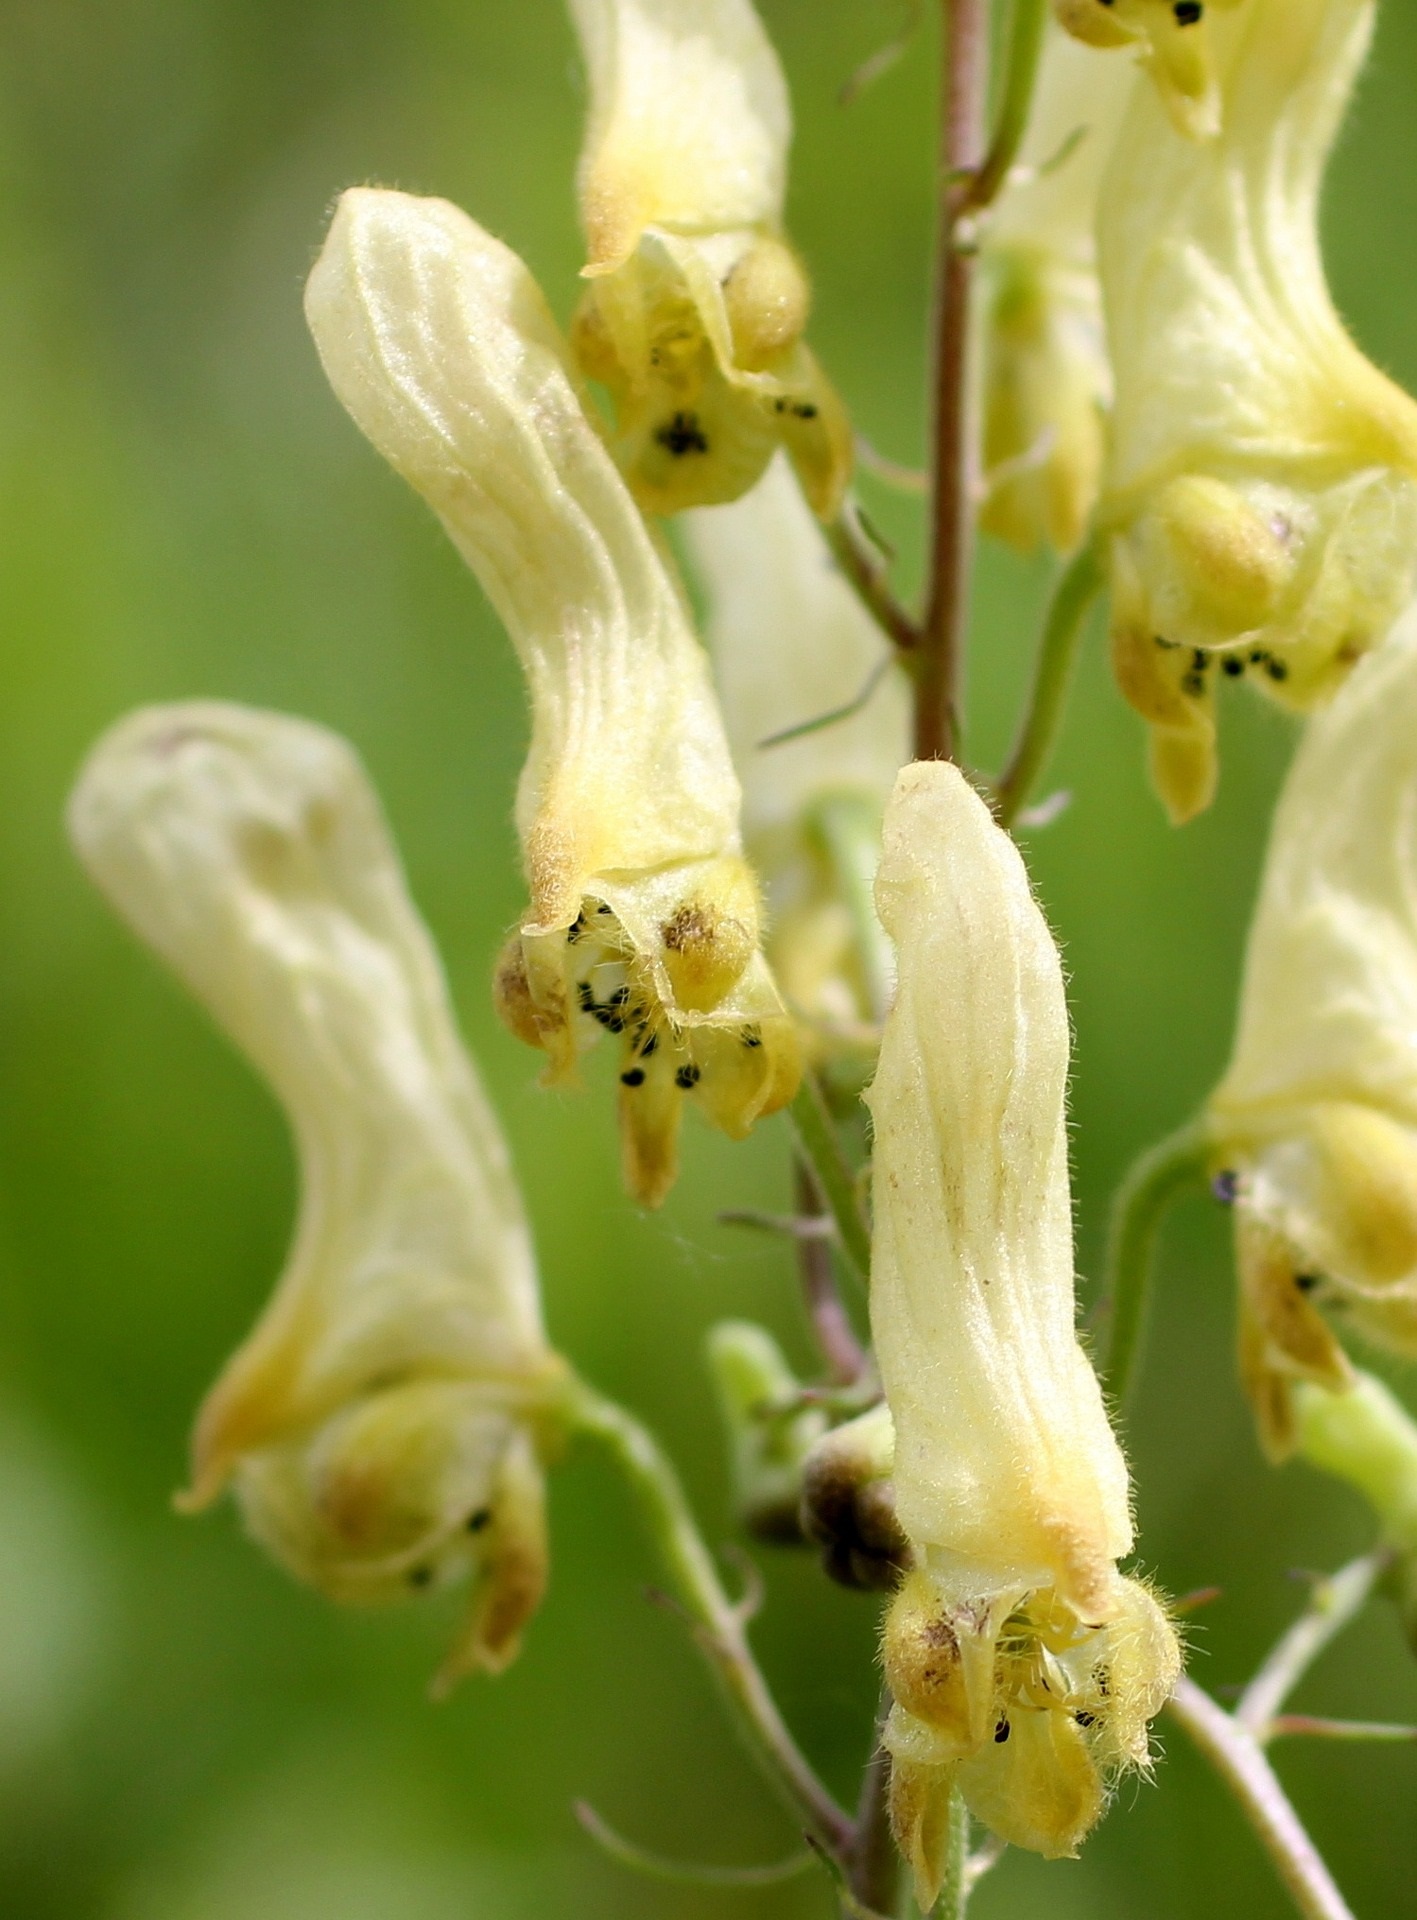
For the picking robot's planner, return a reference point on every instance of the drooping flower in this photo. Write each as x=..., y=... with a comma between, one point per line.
x=644, y=915
x=1046, y=378
x=1315, y=1121
x=1173, y=38
x=385, y=1423
x=1025, y=1668
x=1260, y=489
x=696, y=304
x=791, y=643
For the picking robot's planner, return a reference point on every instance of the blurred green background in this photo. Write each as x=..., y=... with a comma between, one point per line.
x=185, y=1735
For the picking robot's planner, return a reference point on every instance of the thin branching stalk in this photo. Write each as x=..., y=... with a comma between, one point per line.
x=1240, y=1761
x=820, y=1146
x=1027, y=27
x=1155, y=1180
x=842, y=1354
x=719, y=1622
x=1063, y=630
x=875, y=1875
x=1332, y=1605
x=866, y=569
x=952, y=455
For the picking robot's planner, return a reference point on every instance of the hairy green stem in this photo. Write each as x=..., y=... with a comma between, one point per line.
x=719, y=1622
x=1154, y=1181
x=820, y=1147
x=954, y=1894
x=1063, y=629
x=1239, y=1760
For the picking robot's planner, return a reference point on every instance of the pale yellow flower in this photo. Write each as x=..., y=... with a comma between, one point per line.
x=1260, y=489
x=644, y=916
x=1173, y=38
x=696, y=307
x=1025, y=1668
x=790, y=643
x=1046, y=379
x=1316, y=1118
x=384, y=1424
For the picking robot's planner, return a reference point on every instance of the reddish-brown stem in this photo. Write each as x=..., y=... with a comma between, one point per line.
x=941, y=649
x=842, y=1352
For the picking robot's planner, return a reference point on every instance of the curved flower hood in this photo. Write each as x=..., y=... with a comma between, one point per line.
x=644, y=915
x=1317, y=1112
x=1024, y=1667
x=1260, y=489
x=696, y=307
x=384, y=1421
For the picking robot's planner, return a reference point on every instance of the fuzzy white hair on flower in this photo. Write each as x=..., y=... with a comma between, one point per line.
x=1025, y=1668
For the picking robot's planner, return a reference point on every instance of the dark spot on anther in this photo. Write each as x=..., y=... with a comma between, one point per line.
x=1306, y=1282
x=650, y=1046
x=633, y=1077
x=1085, y=1719
x=477, y=1521
x=1160, y=640
x=1233, y=665
x=1276, y=670
x=687, y=1078
x=1226, y=1187
x=1188, y=12
x=1193, y=684
x=1258, y=657
x=1001, y=1733
x=682, y=435
x=1200, y=660
x=420, y=1576
x=751, y=1037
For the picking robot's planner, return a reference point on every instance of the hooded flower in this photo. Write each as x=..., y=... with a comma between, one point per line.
x=696, y=307
x=1047, y=383
x=1025, y=1668
x=1173, y=38
x=644, y=915
x=791, y=643
x=1315, y=1121
x=1260, y=489
x=384, y=1423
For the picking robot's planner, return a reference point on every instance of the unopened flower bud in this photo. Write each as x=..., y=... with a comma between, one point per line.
x=644, y=917
x=385, y=1421
x=848, y=1503
x=1316, y=1117
x=1025, y=1668
x=696, y=307
x=1261, y=488
x=770, y=1432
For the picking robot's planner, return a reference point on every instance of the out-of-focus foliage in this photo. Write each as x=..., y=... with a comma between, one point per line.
x=185, y=511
